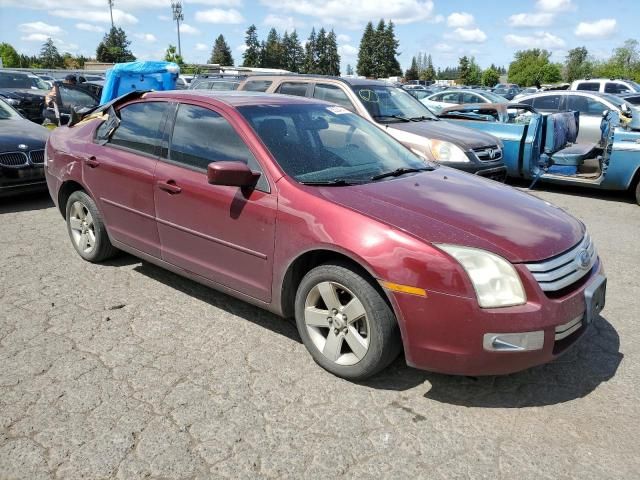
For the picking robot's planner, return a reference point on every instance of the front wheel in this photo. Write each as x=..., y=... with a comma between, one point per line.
x=345, y=323
x=86, y=228
x=638, y=192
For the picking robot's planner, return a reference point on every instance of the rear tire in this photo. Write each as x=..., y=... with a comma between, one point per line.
x=345, y=323
x=638, y=192
x=86, y=228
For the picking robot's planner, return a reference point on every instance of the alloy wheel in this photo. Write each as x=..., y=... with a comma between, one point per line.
x=82, y=227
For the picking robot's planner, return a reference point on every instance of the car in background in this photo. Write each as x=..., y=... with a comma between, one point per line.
x=591, y=105
x=420, y=94
x=606, y=85
x=632, y=98
x=524, y=92
x=67, y=99
x=414, y=87
x=448, y=98
x=22, y=145
x=396, y=112
x=94, y=87
x=506, y=92
x=25, y=92
x=216, y=82
x=308, y=210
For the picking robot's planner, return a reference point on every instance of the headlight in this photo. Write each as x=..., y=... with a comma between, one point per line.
x=447, y=152
x=496, y=282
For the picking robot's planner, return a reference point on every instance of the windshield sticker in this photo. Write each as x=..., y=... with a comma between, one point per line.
x=368, y=96
x=338, y=110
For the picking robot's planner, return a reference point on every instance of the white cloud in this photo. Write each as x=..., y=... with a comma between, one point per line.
x=40, y=27
x=35, y=37
x=343, y=38
x=438, y=19
x=443, y=47
x=87, y=27
x=280, y=22
x=554, y=5
x=241, y=48
x=188, y=29
x=542, y=19
x=348, y=51
x=467, y=35
x=164, y=18
x=462, y=19
x=538, y=40
x=355, y=13
x=119, y=16
x=201, y=47
x=217, y=15
x=147, y=37
x=598, y=29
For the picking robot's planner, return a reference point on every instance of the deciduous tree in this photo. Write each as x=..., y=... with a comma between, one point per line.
x=114, y=47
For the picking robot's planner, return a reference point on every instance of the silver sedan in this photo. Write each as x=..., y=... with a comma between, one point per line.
x=449, y=98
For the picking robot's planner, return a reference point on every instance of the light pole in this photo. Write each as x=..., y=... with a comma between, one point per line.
x=111, y=11
x=178, y=16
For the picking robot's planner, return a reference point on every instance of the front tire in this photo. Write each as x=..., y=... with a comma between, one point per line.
x=638, y=192
x=86, y=228
x=345, y=323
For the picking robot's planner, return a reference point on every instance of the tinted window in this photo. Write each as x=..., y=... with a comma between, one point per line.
x=75, y=97
x=140, y=126
x=611, y=87
x=450, y=97
x=201, y=136
x=635, y=100
x=293, y=88
x=257, y=85
x=14, y=80
x=333, y=94
x=585, y=105
x=471, y=98
x=590, y=86
x=547, y=102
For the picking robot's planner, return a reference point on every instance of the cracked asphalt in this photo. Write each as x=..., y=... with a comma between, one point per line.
x=124, y=370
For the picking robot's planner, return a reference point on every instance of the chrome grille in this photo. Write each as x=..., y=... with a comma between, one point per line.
x=490, y=153
x=13, y=159
x=37, y=157
x=561, y=271
x=566, y=329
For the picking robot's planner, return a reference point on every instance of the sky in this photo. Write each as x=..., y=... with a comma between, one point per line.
x=490, y=30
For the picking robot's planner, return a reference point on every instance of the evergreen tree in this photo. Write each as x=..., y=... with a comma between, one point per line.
x=273, y=50
x=332, y=56
x=390, y=46
x=310, y=56
x=349, y=69
x=262, y=60
x=295, y=54
x=49, y=55
x=221, y=53
x=251, y=56
x=463, y=69
x=366, y=54
x=429, y=73
x=321, y=52
x=412, y=72
x=379, y=51
x=114, y=47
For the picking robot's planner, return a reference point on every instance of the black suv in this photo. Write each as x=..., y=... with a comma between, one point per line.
x=25, y=92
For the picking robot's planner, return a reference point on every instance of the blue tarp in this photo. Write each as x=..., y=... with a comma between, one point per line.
x=128, y=77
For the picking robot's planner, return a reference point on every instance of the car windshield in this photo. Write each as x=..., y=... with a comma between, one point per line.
x=391, y=104
x=616, y=100
x=322, y=144
x=6, y=112
x=38, y=83
x=494, y=98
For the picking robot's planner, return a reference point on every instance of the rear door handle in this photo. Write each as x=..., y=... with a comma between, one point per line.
x=91, y=161
x=169, y=186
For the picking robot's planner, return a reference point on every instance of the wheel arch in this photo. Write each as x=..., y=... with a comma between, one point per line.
x=65, y=191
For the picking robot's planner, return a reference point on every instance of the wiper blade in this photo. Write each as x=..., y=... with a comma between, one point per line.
x=339, y=182
x=400, y=171
x=422, y=118
x=397, y=117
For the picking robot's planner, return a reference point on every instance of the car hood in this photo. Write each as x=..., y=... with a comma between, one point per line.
x=449, y=132
x=449, y=206
x=20, y=131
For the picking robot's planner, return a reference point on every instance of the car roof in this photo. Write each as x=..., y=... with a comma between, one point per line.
x=234, y=98
x=349, y=81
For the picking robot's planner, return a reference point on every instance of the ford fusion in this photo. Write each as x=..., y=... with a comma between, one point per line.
x=308, y=210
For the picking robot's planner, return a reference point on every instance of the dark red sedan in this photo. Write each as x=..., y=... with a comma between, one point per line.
x=307, y=210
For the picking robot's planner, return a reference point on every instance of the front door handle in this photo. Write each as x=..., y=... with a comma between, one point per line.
x=91, y=161
x=169, y=186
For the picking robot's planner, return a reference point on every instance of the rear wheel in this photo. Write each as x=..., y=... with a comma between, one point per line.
x=86, y=228
x=638, y=192
x=345, y=323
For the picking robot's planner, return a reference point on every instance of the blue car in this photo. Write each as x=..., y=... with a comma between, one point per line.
x=542, y=147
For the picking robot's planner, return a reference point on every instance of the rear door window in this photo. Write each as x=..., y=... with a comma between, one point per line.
x=547, y=103
x=333, y=94
x=450, y=97
x=615, y=87
x=471, y=98
x=585, y=105
x=139, y=127
x=299, y=89
x=257, y=85
x=589, y=86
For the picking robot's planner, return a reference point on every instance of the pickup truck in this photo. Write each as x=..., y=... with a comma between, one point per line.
x=542, y=147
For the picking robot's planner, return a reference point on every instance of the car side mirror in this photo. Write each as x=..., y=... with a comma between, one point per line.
x=231, y=174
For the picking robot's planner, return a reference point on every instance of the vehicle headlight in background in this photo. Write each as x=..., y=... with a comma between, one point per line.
x=496, y=282
x=447, y=152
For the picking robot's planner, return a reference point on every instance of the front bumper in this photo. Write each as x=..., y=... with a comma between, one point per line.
x=494, y=170
x=447, y=334
x=15, y=181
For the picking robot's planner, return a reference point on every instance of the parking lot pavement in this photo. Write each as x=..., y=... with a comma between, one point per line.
x=125, y=370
